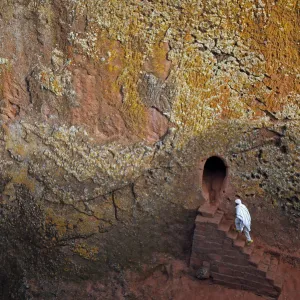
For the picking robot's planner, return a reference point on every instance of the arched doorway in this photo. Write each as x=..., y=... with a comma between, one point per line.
x=213, y=179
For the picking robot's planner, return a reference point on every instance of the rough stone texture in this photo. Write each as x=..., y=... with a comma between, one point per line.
x=232, y=262
x=106, y=109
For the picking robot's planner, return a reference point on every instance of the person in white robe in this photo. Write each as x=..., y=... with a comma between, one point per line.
x=243, y=220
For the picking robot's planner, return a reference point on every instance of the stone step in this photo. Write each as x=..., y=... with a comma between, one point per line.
x=225, y=225
x=271, y=276
x=276, y=279
x=273, y=264
x=263, y=267
x=208, y=210
x=258, y=250
x=232, y=269
x=248, y=250
x=228, y=284
x=278, y=283
x=274, y=260
x=255, y=258
x=239, y=242
x=273, y=268
x=233, y=263
x=268, y=291
x=232, y=234
x=246, y=287
x=266, y=258
x=262, y=287
x=212, y=220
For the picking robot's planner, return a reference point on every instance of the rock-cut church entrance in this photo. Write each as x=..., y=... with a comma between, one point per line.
x=213, y=179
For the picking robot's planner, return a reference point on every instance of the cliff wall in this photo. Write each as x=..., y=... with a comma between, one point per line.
x=107, y=109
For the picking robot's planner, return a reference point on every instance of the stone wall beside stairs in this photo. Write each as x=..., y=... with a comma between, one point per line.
x=232, y=263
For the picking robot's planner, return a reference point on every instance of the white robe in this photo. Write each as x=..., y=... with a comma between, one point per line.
x=243, y=215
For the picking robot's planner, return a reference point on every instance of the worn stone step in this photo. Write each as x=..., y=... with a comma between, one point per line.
x=274, y=260
x=251, y=270
x=225, y=225
x=256, y=285
x=268, y=291
x=233, y=263
x=228, y=284
x=273, y=264
x=199, y=236
x=278, y=283
x=212, y=220
x=248, y=250
x=271, y=276
x=239, y=242
x=258, y=250
x=255, y=259
x=276, y=279
x=266, y=258
x=273, y=268
x=263, y=293
x=232, y=234
x=239, y=271
x=263, y=267
x=208, y=210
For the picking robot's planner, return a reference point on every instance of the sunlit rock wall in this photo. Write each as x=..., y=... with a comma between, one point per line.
x=107, y=108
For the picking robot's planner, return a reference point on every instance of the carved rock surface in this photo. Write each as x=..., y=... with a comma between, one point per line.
x=108, y=109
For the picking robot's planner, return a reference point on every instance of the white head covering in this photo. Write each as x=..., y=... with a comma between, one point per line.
x=238, y=201
x=243, y=214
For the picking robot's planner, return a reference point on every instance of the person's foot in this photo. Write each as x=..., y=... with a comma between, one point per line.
x=249, y=242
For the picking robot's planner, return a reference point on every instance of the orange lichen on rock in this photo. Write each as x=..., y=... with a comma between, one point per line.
x=272, y=30
x=133, y=110
x=158, y=63
x=279, y=42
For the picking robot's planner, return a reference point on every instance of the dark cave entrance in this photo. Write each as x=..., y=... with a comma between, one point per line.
x=213, y=180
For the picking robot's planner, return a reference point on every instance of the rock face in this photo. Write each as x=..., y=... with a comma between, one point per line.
x=109, y=110
x=232, y=262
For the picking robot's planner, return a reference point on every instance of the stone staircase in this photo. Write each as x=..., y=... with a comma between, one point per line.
x=233, y=263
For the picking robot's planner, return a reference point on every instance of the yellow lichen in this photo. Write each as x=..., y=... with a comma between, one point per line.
x=21, y=176
x=59, y=222
x=260, y=37
x=56, y=87
x=72, y=220
x=277, y=35
x=86, y=251
x=5, y=72
x=158, y=63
